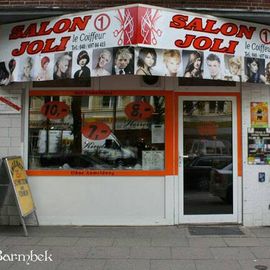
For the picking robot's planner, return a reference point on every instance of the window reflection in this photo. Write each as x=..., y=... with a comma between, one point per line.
x=208, y=170
x=97, y=132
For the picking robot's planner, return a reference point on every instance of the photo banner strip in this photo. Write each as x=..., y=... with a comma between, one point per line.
x=89, y=44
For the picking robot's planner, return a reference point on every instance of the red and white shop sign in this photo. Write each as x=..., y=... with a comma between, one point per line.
x=33, y=50
x=10, y=104
x=131, y=25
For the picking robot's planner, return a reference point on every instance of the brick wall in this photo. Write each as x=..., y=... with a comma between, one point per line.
x=82, y=4
x=10, y=144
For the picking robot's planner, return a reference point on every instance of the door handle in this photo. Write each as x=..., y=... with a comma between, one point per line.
x=181, y=159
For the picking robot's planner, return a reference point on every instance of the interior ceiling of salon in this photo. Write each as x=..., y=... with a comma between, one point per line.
x=11, y=15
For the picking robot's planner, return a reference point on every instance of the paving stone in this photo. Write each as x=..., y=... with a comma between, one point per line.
x=242, y=242
x=127, y=265
x=60, y=231
x=25, y=249
x=190, y=253
x=82, y=264
x=21, y=241
x=250, y=264
x=170, y=242
x=35, y=266
x=69, y=252
x=107, y=232
x=23, y=255
x=6, y=265
x=109, y=252
x=58, y=241
x=131, y=242
x=261, y=252
x=160, y=232
x=3, y=248
x=94, y=242
x=207, y=242
x=135, y=248
x=237, y=253
x=217, y=264
x=150, y=252
x=172, y=265
x=2, y=238
x=261, y=231
x=264, y=241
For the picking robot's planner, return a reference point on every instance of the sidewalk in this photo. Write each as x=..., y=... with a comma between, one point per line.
x=137, y=248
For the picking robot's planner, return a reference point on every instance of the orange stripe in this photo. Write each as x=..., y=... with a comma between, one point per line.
x=239, y=135
x=176, y=138
x=94, y=173
x=171, y=128
x=169, y=148
x=169, y=132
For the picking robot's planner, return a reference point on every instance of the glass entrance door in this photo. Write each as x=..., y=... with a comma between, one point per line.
x=207, y=159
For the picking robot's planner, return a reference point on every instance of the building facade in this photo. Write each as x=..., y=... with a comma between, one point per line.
x=142, y=150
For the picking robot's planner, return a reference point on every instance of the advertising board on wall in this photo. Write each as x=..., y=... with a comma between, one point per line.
x=259, y=114
x=259, y=146
x=178, y=43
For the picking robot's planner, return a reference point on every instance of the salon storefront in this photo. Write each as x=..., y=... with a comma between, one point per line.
x=139, y=115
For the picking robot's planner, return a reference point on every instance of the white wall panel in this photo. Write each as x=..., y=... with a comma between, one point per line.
x=256, y=195
x=102, y=201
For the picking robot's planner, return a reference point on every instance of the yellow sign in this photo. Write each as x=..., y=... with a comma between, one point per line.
x=19, y=180
x=259, y=114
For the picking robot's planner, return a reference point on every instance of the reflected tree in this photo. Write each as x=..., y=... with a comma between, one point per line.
x=76, y=147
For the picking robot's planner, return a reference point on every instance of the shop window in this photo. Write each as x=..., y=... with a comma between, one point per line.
x=71, y=132
x=108, y=101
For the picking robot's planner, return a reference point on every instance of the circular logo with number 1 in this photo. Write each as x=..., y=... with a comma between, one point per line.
x=265, y=36
x=102, y=22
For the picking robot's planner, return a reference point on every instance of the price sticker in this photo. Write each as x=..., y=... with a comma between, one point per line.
x=139, y=110
x=96, y=131
x=55, y=109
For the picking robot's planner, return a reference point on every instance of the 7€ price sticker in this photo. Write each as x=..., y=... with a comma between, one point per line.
x=139, y=110
x=55, y=109
x=96, y=131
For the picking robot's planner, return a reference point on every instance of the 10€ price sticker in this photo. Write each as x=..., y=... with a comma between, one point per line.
x=55, y=109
